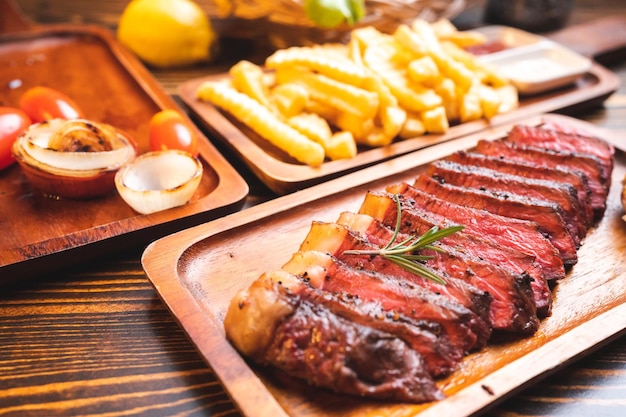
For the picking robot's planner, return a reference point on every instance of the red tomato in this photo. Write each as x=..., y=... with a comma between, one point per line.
x=44, y=103
x=170, y=130
x=13, y=122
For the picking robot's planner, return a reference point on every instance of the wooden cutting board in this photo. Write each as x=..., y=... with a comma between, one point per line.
x=197, y=271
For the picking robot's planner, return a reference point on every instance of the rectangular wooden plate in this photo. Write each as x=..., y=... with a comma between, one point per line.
x=111, y=86
x=197, y=272
x=283, y=174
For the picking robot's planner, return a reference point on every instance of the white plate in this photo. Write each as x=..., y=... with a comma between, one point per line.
x=533, y=63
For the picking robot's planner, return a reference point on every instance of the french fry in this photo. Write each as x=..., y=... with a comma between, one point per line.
x=263, y=121
x=484, y=72
x=342, y=146
x=376, y=138
x=470, y=107
x=322, y=109
x=490, y=101
x=446, y=31
x=312, y=126
x=435, y=120
x=331, y=64
x=342, y=96
x=509, y=99
x=450, y=95
x=289, y=99
x=366, y=36
x=247, y=78
x=460, y=74
x=392, y=119
x=390, y=115
x=411, y=97
x=412, y=41
x=413, y=127
x=359, y=128
x=443, y=28
x=354, y=52
x=424, y=71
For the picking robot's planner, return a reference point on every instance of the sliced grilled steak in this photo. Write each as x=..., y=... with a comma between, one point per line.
x=563, y=196
x=513, y=307
x=533, y=170
x=519, y=235
x=419, y=222
x=443, y=331
x=335, y=239
x=274, y=326
x=586, y=165
x=544, y=137
x=546, y=215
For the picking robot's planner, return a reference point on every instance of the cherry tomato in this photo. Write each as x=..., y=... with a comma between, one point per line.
x=170, y=130
x=44, y=103
x=13, y=122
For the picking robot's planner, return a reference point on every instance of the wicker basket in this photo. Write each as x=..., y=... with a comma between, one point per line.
x=280, y=23
x=283, y=23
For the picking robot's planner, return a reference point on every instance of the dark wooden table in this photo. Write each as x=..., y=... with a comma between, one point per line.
x=97, y=340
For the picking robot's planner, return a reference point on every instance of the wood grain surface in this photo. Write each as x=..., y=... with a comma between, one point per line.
x=96, y=340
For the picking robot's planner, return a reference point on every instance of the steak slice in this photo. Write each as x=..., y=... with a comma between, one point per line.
x=273, y=326
x=546, y=215
x=564, y=197
x=532, y=170
x=548, y=138
x=512, y=308
x=447, y=330
x=517, y=234
x=419, y=222
x=335, y=239
x=586, y=165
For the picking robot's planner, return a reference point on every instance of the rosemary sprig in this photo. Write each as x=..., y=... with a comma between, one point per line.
x=403, y=253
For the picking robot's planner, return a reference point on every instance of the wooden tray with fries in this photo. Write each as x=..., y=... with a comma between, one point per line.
x=284, y=174
x=197, y=272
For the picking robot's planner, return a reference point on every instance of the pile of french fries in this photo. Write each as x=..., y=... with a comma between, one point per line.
x=321, y=102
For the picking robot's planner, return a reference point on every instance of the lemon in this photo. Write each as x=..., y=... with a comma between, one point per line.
x=166, y=33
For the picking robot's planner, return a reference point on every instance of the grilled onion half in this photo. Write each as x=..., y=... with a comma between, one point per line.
x=73, y=158
x=159, y=180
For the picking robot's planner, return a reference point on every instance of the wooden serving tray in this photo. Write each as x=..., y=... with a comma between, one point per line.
x=111, y=86
x=197, y=272
x=283, y=174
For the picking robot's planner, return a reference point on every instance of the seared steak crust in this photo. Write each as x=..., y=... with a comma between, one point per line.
x=586, y=165
x=330, y=351
x=563, y=196
x=560, y=141
x=442, y=330
x=536, y=171
x=545, y=214
x=517, y=234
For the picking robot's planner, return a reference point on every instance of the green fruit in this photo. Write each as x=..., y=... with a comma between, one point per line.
x=332, y=13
